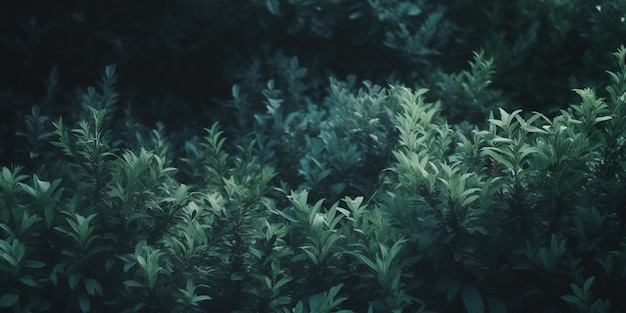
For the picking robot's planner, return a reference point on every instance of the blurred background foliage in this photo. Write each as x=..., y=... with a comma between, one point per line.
x=176, y=58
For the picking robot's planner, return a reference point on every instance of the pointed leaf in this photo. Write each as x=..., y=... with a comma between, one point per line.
x=471, y=299
x=29, y=282
x=83, y=301
x=588, y=283
x=273, y=6
x=73, y=280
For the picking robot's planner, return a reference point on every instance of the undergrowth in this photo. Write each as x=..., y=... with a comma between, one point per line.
x=363, y=200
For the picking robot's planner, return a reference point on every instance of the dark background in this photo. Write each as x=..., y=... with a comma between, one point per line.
x=177, y=60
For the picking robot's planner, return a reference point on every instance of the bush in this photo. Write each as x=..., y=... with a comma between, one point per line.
x=366, y=201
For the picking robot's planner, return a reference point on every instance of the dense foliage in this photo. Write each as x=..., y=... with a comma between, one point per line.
x=358, y=164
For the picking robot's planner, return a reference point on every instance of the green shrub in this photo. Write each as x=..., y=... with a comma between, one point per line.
x=358, y=200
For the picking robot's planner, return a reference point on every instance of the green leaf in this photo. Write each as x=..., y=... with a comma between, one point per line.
x=453, y=290
x=395, y=282
x=73, y=280
x=367, y=261
x=93, y=286
x=237, y=276
x=83, y=301
x=281, y=282
x=30, y=190
x=579, y=292
x=477, y=229
x=132, y=284
x=299, y=308
x=312, y=254
x=255, y=252
x=273, y=7
x=33, y=264
x=337, y=188
x=602, y=119
x=200, y=298
x=469, y=200
x=573, y=300
x=471, y=299
x=29, y=282
x=587, y=285
x=9, y=259
x=497, y=155
x=534, y=129
x=8, y=299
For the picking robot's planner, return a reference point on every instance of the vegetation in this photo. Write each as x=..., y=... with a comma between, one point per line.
x=423, y=189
